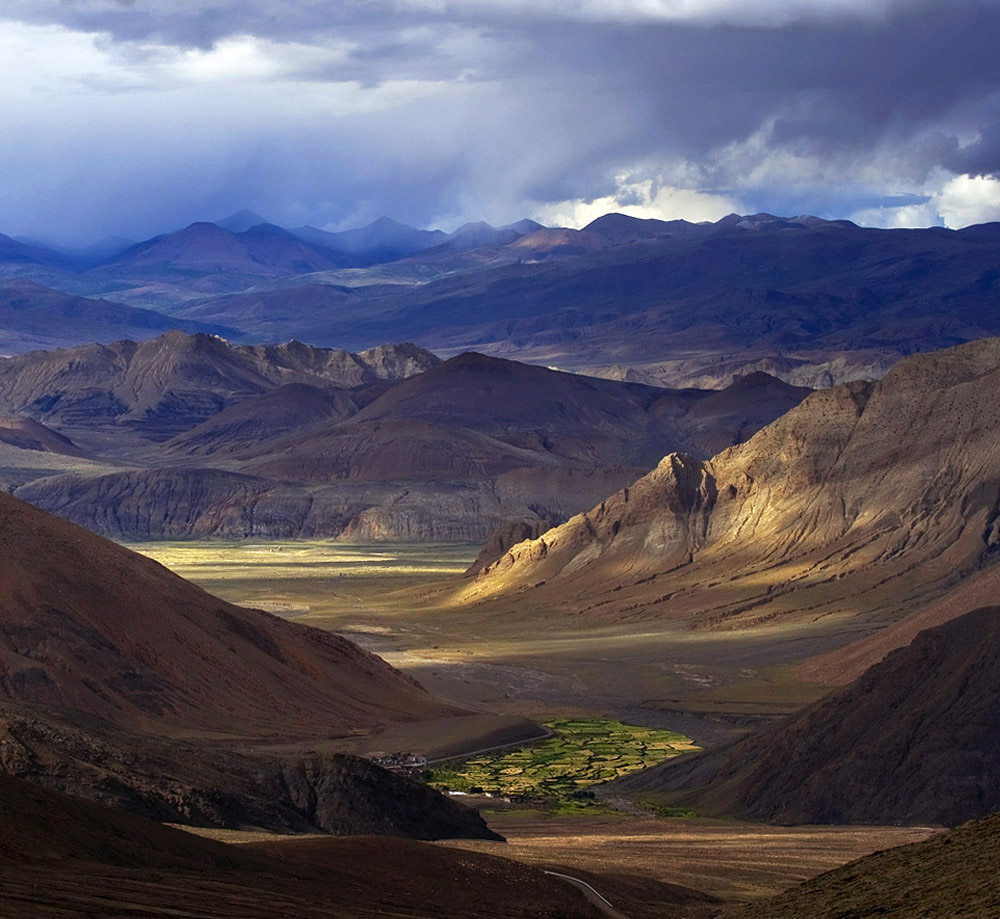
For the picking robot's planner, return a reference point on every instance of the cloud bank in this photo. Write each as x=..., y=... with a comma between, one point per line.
x=129, y=116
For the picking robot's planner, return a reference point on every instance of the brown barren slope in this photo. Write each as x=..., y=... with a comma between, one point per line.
x=952, y=874
x=843, y=665
x=916, y=739
x=866, y=499
x=90, y=626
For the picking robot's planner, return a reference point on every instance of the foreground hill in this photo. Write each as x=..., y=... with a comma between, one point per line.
x=951, y=874
x=866, y=499
x=89, y=626
x=60, y=856
x=915, y=740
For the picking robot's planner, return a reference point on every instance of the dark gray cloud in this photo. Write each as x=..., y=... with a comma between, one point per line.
x=148, y=114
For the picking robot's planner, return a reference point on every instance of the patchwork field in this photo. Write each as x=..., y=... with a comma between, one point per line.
x=560, y=771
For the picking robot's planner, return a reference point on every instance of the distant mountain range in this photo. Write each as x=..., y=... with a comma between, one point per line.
x=814, y=302
x=201, y=437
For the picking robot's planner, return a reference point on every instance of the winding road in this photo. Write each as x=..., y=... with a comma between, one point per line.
x=592, y=895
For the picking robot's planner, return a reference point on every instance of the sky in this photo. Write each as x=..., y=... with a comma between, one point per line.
x=135, y=117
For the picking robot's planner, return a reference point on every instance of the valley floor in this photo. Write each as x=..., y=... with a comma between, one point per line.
x=708, y=685
x=394, y=600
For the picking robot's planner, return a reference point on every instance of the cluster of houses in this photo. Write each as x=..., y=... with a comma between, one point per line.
x=410, y=764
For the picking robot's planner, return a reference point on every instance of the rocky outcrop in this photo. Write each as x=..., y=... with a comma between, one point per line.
x=175, y=782
x=159, y=388
x=504, y=537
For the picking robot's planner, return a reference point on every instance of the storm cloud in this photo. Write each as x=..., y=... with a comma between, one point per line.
x=136, y=117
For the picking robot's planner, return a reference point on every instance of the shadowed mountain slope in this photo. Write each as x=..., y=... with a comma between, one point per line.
x=34, y=317
x=262, y=419
x=844, y=665
x=263, y=249
x=304, y=310
x=951, y=874
x=60, y=856
x=28, y=434
x=385, y=240
x=89, y=626
x=561, y=417
x=818, y=302
x=914, y=740
x=866, y=499
x=205, y=785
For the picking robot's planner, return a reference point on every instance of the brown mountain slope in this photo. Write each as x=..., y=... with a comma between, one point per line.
x=60, y=856
x=449, y=454
x=531, y=416
x=28, y=434
x=89, y=626
x=951, y=874
x=865, y=499
x=916, y=739
x=843, y=665
x=162, y=387
x=264, y=419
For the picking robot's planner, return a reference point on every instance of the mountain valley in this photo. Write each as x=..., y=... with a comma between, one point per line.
x=734, y=480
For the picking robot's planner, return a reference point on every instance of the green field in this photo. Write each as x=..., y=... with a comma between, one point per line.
x=562, y=769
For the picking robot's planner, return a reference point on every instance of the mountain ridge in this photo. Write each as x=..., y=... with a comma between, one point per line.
x=841, y=497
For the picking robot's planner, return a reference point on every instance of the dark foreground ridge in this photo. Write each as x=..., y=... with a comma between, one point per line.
x=63, y=857
x=951, y=874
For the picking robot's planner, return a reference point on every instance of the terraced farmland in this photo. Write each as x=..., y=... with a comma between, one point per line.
x=562, y=769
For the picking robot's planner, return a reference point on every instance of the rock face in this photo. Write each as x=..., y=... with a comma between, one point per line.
x=504, y=538
x=868, y=498
x=89, y=626
x=914, y=740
